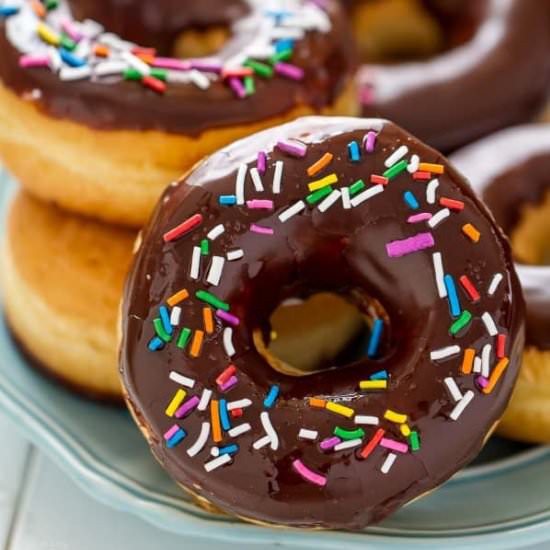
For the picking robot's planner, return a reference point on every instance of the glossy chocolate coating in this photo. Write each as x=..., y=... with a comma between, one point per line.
x=497, y=78
x=508, y=170
x=339, y=251
x=328, y=60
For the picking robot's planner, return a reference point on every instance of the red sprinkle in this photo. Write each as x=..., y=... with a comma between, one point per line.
x=501, y=346
x=183, y=228
x=470, y=288
x=379, y=179
x=237, y=72
x=235, y=413
x=422, y=176
x=226, y=375
x=144, y=51
x=154, y=84
x=371, y=445
x=451, y=203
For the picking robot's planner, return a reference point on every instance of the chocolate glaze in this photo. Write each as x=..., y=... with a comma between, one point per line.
x=508, y=170
x=497, y=78
x=314, y=251
x=327, y=58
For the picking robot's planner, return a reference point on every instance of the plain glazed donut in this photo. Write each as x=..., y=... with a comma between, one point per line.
x=510, y=172
x=497, y=77
x=113, y=122
x=353, y=206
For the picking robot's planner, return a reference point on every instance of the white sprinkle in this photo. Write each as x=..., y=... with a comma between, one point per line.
x=489, y=324
x=240, y=429
x=216, y=270
x=136, y=63
x=75, y=73
x=431, y=190
x=494, y=283
x=461, y=405
x=444, y=353
x=201, y=441
x=310, y=435
x=364, y=419
x=228, y=341
x=439, y=274
x=178, y=77
x=269, y=430
x=346, y=199
x=55, y=59
x=204, y=400
x=325, y=204
x=256, y=180
x=396, y=156
x=366, y=195
x=486, y=360
x=199, y=79
x=438, y=217
x=277, y=177
x=233, y=255
x=109, y=68
x=182, y=380
x=240, y=404
x=262, y=442
x=477, y=365
x=83, y=49
x=388, y=463
x=454, y=390
x=215, y=232
x=195, y=263
x=217, y=462
x=175, y=316
x=412, y=167
x=291, y=211
x=350, y=444
x=215, y=451
x=239, y=183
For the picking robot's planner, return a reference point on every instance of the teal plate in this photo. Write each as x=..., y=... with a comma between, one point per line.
x=502, y=501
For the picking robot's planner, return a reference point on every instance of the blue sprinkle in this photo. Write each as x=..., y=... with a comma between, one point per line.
x=6, y=11
x=224, y=416
x=165, y=318
x=452, y=296
x=155, y=344
x=375, y=336
x=176, y=438
x=227, y=200
x=410, y=199
x=354, y=152
x=229, y=449
x=283, y=45
x=380, y=375
x=271, y=396
x=71, y=59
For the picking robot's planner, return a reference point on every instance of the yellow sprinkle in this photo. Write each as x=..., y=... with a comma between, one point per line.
x=405, y=430
x=197, y=343
x=323, y=182
x=208, y=320
x=470, y=231
x=392, y=416
x=496, y=374
x=47, y=34
x=431, y=167
x=175, y=403
x=339, y=409
x=273, y=335
x=373, y=384
x=317, y=403
x=178, y=297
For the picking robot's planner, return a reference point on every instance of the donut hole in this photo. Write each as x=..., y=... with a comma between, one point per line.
x=204, y=42
x=320, y=332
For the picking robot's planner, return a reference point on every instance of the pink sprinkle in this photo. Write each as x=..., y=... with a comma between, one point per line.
x=370, y=141
x=227, y=317
x=171, y=432
x=329, y=443
x=229, y=384
x=261, y=163
x=237, y=86
x=293, y=149
x=260, y=203
x=482, y=382
x=396, y=249
x=290, y=71
x=366, y=95
x=171, y=63
x=29, y=61
x=261, y=229
x=71, y=31
x=187, y=407
x=422, y=217
x=394, y=445
x=309, y=475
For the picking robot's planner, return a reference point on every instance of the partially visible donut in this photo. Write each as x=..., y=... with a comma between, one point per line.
x=510, y=171
x=353, y=206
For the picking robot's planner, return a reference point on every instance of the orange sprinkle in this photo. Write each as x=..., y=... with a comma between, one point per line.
x=496, y=374
x=178, y=297
x=197, y=343
x=468, y=361
x=471, y=232
x=101, y=51
x=431, y=167
x=215, y=419
x=316, y=167
x=146, y=58
x=208, y=320
x=144, y=51
x=317, y=403
x=39, y=9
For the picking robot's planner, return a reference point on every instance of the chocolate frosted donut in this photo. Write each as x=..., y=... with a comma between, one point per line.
x=353, y=206
x=498, y=76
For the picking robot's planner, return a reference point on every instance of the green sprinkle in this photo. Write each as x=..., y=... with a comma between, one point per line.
x=159, y=329
x=359, y=433
x=249, y=85
x=316, y=196
x=414, y=441
x=261, y=69
x=184, y=336
x=134, y=74
x=51, y=4
x=285, y=55
x=461, y=322
x=205, y=247
x=354, y=188
x=212, y=300
x=396, y=169
x=66, y=42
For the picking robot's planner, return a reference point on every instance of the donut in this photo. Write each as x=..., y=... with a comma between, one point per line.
x=492, y=69
x=358, y=207
x=62, y=277
x=112, y=120
x=509, y=170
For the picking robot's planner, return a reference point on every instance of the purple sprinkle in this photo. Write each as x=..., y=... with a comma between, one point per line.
x=71, y=31
x=370, y=141
x=171, y=63
x=329, y=443
x=261, y=163
x=290, y=71
x=396, y=249
x=206, y=66
x=261, y=229
x=171, y=432
x=229, y=384
x=482, y=382
x=422, y=217
x=293, y=149
x=227, y=317
x=260, y=203
x=237, y=86
x=187, y=407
